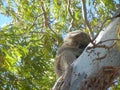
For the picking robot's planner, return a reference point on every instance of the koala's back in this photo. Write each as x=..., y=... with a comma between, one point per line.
x=73, y=45
x=62, y=61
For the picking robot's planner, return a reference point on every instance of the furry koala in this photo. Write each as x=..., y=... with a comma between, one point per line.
x=73, y=45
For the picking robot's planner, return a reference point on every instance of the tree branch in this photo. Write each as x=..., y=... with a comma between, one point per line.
x=46, y=24
x=44, y=13
x=69, y=10
x=71, y=25
x=86, y=20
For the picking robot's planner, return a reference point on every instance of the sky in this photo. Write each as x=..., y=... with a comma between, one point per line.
x=4, y=20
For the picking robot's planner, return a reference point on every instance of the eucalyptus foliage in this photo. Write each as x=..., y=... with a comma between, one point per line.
x=28, y=44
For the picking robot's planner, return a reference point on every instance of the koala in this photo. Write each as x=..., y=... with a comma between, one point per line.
x=73, y=45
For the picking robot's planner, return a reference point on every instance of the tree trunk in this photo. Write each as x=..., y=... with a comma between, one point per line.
x=98, y=65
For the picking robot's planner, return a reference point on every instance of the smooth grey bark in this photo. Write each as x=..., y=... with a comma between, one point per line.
x=92, y=60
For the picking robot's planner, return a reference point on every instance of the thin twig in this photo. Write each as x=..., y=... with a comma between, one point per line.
x=101, y=28
x=69, y=11
x=46, y=24
x=108, y=40
x=71, y=25
x=103, y=46
x=117, y=14
x=86, y=20
x=34, y=22
x=45, y=16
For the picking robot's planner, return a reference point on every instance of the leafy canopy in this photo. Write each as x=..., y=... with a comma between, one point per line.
x=29, y=42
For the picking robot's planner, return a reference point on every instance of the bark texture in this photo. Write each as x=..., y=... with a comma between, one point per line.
x=100, y=62
x=98, y=65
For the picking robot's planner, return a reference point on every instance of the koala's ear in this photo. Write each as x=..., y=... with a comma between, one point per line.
x=74, y=33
